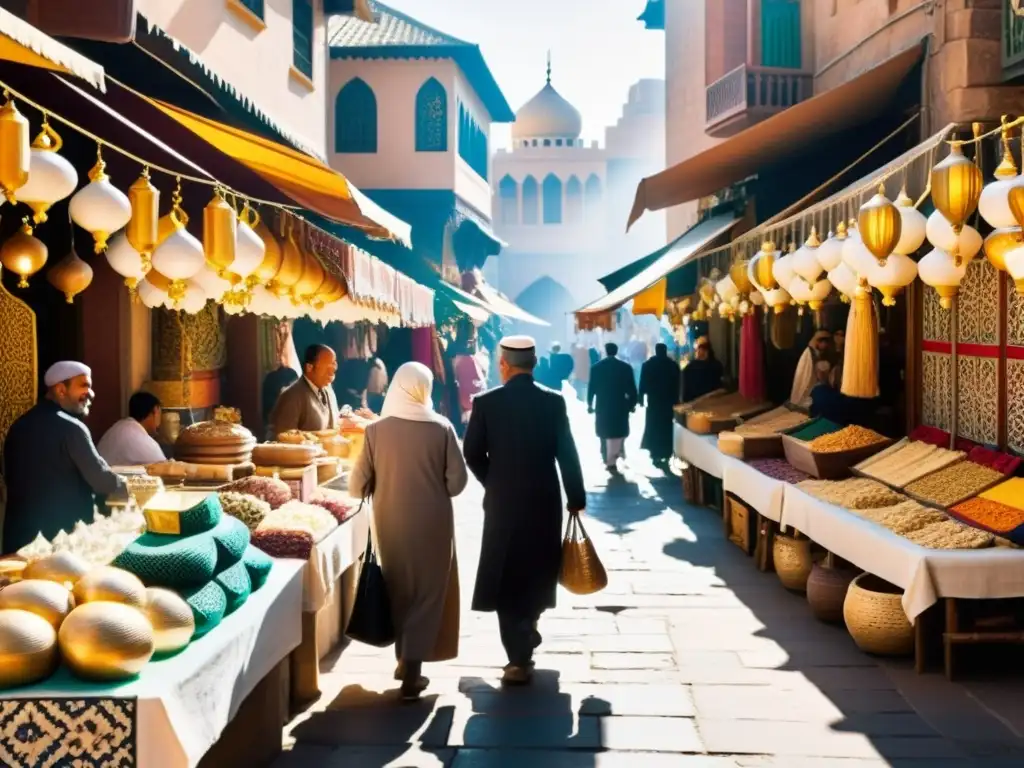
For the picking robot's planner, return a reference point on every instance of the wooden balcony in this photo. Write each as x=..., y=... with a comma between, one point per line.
x=1013, y=44
x=749, y=94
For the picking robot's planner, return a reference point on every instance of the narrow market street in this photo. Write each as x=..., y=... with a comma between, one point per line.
x=691, y=658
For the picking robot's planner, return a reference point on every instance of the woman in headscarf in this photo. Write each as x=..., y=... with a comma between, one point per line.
x=703, y=374
x=808, y=370
x=411, y=466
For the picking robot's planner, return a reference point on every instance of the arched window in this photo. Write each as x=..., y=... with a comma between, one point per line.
x=507, y=192
x=573, y=200
x=592, y=194
x=355, y=118
x=552, y=199
x=529, y=200
x=431, y=117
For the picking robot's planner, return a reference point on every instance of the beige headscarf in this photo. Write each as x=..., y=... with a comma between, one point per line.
x=409, y=396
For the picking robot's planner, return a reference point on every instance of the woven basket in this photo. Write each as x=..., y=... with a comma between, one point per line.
x=826, y=592
x=690, y=480
x=874, y=615
x=793, y=561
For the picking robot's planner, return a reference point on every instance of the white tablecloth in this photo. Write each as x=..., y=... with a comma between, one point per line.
x=329, y=559
x=699, y=450
x=765, y=494
x=185, y=702
x=924, y=574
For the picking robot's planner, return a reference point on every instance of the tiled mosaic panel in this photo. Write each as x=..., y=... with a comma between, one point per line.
x=936, y=319
x=1014, y=316
x=979, y=304
x=937, y=397
x=979, y=399
x=1015, y=405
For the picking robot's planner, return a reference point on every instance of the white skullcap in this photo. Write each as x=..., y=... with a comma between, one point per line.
x=518, y=343
x=64, y=370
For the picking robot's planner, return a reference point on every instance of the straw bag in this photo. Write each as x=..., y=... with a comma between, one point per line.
x=581, y=572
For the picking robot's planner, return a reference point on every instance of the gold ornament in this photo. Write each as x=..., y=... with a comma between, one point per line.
x=1016, y=201
x=738, y=273
x=23, y=253
x=220, y=228
x=1000, y=242
x=765, y=278
x=272, y=256
x=106, y=641
x=956, y=187
x=880, y=225
x=61, y=567
x=15, y=151
x=171, y=618
x=70, y=276
x=143, y=230
x=292, y=265
x=313, y=276
x=46, y=599
x=28, y=648
x=109, y=584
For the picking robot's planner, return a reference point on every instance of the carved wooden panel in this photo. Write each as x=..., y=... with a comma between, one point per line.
x=978, y=411
x=979, y=304
x=937, y=390
x=205, y=332
x=1015, y=405
x=19, y=363
x=1014, y=316
x=936, y=319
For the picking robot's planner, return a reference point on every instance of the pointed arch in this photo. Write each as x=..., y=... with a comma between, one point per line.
x=529, y=200
x=432, y=117
x=573, y=201
x=508, y=197
x=592, y=194
x=355, y=118
x=552, y=188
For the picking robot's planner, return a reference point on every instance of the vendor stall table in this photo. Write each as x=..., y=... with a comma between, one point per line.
x=177, y=709
x=762, y=493
x=699, y=450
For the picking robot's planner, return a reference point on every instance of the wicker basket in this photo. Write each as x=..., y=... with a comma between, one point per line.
x=826, y=592
x=874, y=615
x=690, y=482
x=793, y=561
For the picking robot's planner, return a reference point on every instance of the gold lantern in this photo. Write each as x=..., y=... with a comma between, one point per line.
x=956, y=187
x=15, y=151
x=272, y=256
x=143, y=228
x=313, y=276
x=23, y=253
x=880, y=225
x=765, y=277
x=70, y=276
x=292, y=265
x=1016, y=201
x=220, y=228
x=738, y=273
x=1000, y=242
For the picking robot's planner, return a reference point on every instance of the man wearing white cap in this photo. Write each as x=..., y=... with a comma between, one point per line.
x=51, y=466
x=517, y=441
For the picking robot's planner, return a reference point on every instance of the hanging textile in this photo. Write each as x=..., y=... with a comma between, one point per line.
x=422, y=346
x=752, y=378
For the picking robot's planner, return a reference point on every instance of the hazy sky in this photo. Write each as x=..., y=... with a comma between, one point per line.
x=598, y=49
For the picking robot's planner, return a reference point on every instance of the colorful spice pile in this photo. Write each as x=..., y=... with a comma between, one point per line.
x=846, y=439
x=906, y=462
x=248, y=509
x=950, y=534
x=338, y=503
x=291, y=544
x=855, y=493
x=297, y=516
x=1010, y=493
x=954, y=483
x=1001, y=462
x=771, y=423
x=815, y=429
x=779, y=469
x=903, y=518
x=274, y=492
x=990, y=515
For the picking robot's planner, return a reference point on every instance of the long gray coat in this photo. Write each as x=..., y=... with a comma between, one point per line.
x=413, y=469
x=517, y=440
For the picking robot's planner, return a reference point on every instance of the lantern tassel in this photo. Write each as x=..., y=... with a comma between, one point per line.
x=860, y=359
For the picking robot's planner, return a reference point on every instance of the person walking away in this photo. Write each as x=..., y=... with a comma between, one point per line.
x=376, y=386
x=412, y=468
x=517, y=441
x=659, y=391
x=561, y=367
x=580, y=369
x=612, y=396
x=703, y=374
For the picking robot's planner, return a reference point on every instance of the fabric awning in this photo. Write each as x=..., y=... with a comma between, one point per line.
x=781, y=136
x=683, y=250
x=502, y=306
x=472, y=311
x=22, y=43
x=306, y=180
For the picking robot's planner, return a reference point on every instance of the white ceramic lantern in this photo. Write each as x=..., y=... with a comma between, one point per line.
x=913, y=229
x=830, y=253
x=125, y=260
x=899, y=272
x=51, y=177
x=100, y=208
x=844, y=280
x=179, y=257
x=940, y=270
x=811, y=294
x=151, y=296
x=805, y=261
x=194, y=299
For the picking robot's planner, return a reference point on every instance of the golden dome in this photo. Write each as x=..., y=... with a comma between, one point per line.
x=547, y=116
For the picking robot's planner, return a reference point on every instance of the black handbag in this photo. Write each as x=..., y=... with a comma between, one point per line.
x=371, y=620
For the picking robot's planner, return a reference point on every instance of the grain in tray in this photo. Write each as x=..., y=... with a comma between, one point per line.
x=912, y=461
x=846, y=439
x=955, y=482
x=855, y=493
x=903, y=518
x=949, y=534
x=771, y=423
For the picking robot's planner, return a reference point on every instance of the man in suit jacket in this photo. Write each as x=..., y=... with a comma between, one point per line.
x=309, y=404
x=517, y=440
x=612, y=394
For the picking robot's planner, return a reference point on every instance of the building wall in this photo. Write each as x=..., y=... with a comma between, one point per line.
x=469, y=185
x=258, y=63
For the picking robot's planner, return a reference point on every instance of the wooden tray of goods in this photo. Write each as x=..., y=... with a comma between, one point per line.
x=286, y=455
x=953, y=484
x=831, y=456
x=185, y=473
x=760, y=437
x=680, y=410
x=905, y=462
x=722, y=413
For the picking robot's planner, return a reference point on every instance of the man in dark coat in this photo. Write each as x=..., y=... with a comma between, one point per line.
x=659, y=387
x=612, y=395
x=517, y=441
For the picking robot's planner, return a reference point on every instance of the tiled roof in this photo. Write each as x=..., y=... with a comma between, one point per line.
x=391, y=28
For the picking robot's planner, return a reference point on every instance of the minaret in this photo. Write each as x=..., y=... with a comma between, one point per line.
x=549, y=66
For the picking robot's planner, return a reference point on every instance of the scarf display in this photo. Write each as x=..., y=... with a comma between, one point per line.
x=752, y=379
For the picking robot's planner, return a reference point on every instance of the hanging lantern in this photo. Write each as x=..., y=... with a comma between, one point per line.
x=213, y=285
x=956, y=187
x=100, y=208
x=180, y=256
x=126, y=261
x=892, y=277
x=726, y=290
x=220, y=229
x=272, y=255
x=15, y=152
x=249, y=247
x=782, y=270
x=151, y=296
x=292, y=264
x=23, y=253
x=313, y=275
x=777, y=299
x=194, y=299
x=765, y=261
x=1015, y=266
x=845, y=281
x=912, y=225
x=999, y=243
x=143, y=228
x=805, y=261
x=879, y=225
x=830, y=253
x=857, y=257
x=70, y=276
x=811, y=294
x=940, y=270
x=51, y=177
x=738, y=273
x=963, y=245
x=994, y=203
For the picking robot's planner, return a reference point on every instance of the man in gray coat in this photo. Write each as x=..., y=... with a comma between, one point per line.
x=517, y=440
x=309, y=404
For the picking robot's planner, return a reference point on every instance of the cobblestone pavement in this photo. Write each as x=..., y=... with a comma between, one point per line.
x=689, y=659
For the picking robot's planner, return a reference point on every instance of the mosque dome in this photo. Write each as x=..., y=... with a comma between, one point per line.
x=547, y=116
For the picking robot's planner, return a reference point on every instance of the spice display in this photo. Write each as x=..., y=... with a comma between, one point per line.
x=846, y=439
x=855, y=493
x=903, y=518
x=1010, y=493
x=1001, y=462
x=771, y=423
x=815, y=429
x=989, y=514
x=294, y=544
x=338, y=503
x=298, y=516
x=271, y=490
x=954, y=483
x=908, y=462
x=779, y=469
x=950, y=534
x=249, y=509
